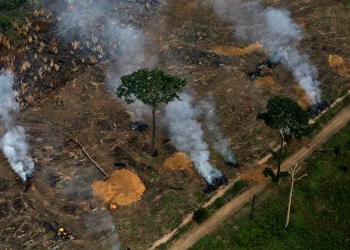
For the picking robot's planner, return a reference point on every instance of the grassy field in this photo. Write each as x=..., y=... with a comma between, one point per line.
x=320, y=217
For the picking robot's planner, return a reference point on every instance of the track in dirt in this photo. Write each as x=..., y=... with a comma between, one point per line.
x=197, y=232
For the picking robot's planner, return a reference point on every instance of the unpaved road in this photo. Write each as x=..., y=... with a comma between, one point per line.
x=196, y=233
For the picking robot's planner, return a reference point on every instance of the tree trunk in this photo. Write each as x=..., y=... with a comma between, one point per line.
x=280, y=155
x=290, y=201
x=153, y=149
x=252, y=211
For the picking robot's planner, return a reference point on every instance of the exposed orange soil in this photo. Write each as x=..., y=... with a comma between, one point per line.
x=122, y=188
x=303, y=98
x=235, y=51
x=339, y=65
x=179, y=161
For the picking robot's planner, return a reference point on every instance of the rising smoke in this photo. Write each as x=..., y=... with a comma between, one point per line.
x=216, y=137
x=278, y=33
x=14, y=142
x=187, y=136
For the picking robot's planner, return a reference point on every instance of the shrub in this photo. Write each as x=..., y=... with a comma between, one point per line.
x=11, y=4
x=5, y=24
x=239, y=185
x=343, y=168
x=219, y=202
x=201, y=215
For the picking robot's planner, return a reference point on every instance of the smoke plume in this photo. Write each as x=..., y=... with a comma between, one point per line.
x=217, y=139
x=187, y=136
x=14, y=142
x=278, y=33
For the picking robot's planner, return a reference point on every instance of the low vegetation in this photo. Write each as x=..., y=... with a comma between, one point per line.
x=319, y=213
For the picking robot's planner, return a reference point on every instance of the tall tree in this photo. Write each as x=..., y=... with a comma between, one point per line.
x=286, y=115
x=152, y=87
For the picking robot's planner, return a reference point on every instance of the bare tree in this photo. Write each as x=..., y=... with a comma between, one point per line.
x=293, y=171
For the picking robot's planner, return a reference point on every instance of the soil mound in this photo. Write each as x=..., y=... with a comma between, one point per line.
x=179, y=161
x=339, y=65
x=122, y=188
x=235, y=51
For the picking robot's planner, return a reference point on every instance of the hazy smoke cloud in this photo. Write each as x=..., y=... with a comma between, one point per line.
x=14, y=142
x=100, y=222
x=187, y=136
x=122, y=40
x=216, y=137
x=278, y=33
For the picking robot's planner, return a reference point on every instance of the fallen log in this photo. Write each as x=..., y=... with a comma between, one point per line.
x=75, y=140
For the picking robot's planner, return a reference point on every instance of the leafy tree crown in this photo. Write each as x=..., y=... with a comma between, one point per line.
x=151, y=86
x=285, y=113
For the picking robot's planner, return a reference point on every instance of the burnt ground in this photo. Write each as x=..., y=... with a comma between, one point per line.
x=183, y=34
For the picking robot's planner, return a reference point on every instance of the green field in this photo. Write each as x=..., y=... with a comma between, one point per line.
x=320, y=214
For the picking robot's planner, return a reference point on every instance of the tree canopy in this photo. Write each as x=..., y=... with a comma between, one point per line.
x=285, y=113
x=151, y=86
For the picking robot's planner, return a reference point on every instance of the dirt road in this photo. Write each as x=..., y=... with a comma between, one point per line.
x=230, y=208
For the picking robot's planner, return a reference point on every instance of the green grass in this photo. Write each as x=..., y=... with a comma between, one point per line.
x=320, y=217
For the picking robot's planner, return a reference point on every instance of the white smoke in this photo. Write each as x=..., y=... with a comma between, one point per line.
x=278, y=33
x=14, y=142
x=217, y=139
x=187, y=135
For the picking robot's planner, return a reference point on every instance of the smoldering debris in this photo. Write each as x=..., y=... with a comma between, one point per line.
x=216, y=137
x=187, y=136
x=14, y=143
x=263, y=69
x=139, y=126
x=316, y=109
x=211, y=187
x=279, y=35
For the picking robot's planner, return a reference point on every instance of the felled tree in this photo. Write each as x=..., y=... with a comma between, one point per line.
x=286, y=115
x=152, y=87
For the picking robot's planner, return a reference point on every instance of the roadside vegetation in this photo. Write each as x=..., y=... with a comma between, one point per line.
x=320, y=216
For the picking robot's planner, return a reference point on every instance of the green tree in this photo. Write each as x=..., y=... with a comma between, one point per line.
x=337, y=150
x=201, y=215
x=152, y=87
x=286, y=115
